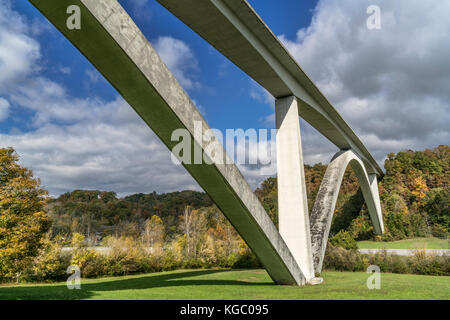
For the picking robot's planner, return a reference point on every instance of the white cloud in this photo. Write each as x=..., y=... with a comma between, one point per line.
x=138, y=4
x=179, y=58
x=111, y=149
x=391, y=85
x=65, y=70
x=76, y=143
x=140, y=10
x=260, y=94
x=18, y=51
x=4, y=109
x=93, y=75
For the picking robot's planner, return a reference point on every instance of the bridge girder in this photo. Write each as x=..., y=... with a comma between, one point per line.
x=112, y=42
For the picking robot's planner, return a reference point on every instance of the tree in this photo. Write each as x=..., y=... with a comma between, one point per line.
x=420, y=189
x=154, y=232
x=193, y=224
x=23, y=223
x=438, y=206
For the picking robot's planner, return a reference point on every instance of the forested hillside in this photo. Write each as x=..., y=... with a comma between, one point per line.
x=414, y=192
x=154, y=232
x=96, y=214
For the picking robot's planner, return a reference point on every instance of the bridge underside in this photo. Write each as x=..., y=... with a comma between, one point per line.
x=236, y=30
x=112, y=42
x=115, y=46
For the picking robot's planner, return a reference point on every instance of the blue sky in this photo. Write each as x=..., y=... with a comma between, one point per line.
x=214, y=75
x=71, y=127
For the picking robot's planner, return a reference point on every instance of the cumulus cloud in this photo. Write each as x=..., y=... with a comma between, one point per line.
x=91, y=144
x=179, y=58
x=71, y=142
x=391, y=85
x=110, y=149
x=4, y=109
x=18, y=51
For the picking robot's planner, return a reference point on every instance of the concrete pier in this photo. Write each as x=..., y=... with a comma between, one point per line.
x=293, y=216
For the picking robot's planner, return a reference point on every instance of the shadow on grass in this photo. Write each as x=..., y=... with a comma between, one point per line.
x=61, y=292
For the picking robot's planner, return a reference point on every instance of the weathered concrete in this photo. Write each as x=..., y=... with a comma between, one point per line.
x=236, y=30
x=115, y=46
x=293, y=217
x=323, y=210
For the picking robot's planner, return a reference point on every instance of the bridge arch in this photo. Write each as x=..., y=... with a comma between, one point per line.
x=116, y=47
x=323, y=209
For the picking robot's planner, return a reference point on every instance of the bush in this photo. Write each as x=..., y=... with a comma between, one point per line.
x=439, y=231
x=344, y=240
x=50, y=264
x=430, y=265
x=381, y=260
x=399, y=264
x=126, y=256
x=246, y=261
x=340, y=259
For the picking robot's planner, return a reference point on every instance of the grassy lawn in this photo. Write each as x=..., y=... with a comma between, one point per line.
x=416, y=243
x=242, y=284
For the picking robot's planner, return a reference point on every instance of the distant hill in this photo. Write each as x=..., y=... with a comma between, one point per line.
x=94, y=212
x=414, y=192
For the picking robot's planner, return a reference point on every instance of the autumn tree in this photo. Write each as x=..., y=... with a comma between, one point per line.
x=193, y=224
x=23, y=223
x=154, y=233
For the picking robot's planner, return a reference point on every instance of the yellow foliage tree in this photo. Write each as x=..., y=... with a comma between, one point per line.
x=23, y=223
x=154, y=233
x=420, y=188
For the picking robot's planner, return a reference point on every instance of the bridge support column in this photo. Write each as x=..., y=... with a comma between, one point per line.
x=292, y=202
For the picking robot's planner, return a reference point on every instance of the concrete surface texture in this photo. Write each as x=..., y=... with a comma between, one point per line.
x=293, y=217
x=323, y=209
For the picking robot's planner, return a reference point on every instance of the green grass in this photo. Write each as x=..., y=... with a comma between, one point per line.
x=242, y=284
x=416, y=243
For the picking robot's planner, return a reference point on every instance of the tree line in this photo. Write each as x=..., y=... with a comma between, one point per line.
x=185, y=229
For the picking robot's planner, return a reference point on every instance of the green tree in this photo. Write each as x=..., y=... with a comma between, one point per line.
x=23, y=222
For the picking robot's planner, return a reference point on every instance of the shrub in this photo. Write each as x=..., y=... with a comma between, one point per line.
x=246, y=261
x=344, y=240
x=399, y=264
x=430, y=265
x=340, y=259
x=381, y=260
x=50, y=264
x=125, y=256
x=439, y=231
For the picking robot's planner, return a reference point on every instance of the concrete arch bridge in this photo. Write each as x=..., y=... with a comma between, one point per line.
x=113, y=43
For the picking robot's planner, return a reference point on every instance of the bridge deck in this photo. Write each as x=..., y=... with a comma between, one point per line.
x=236, y=30
x=113, y=43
